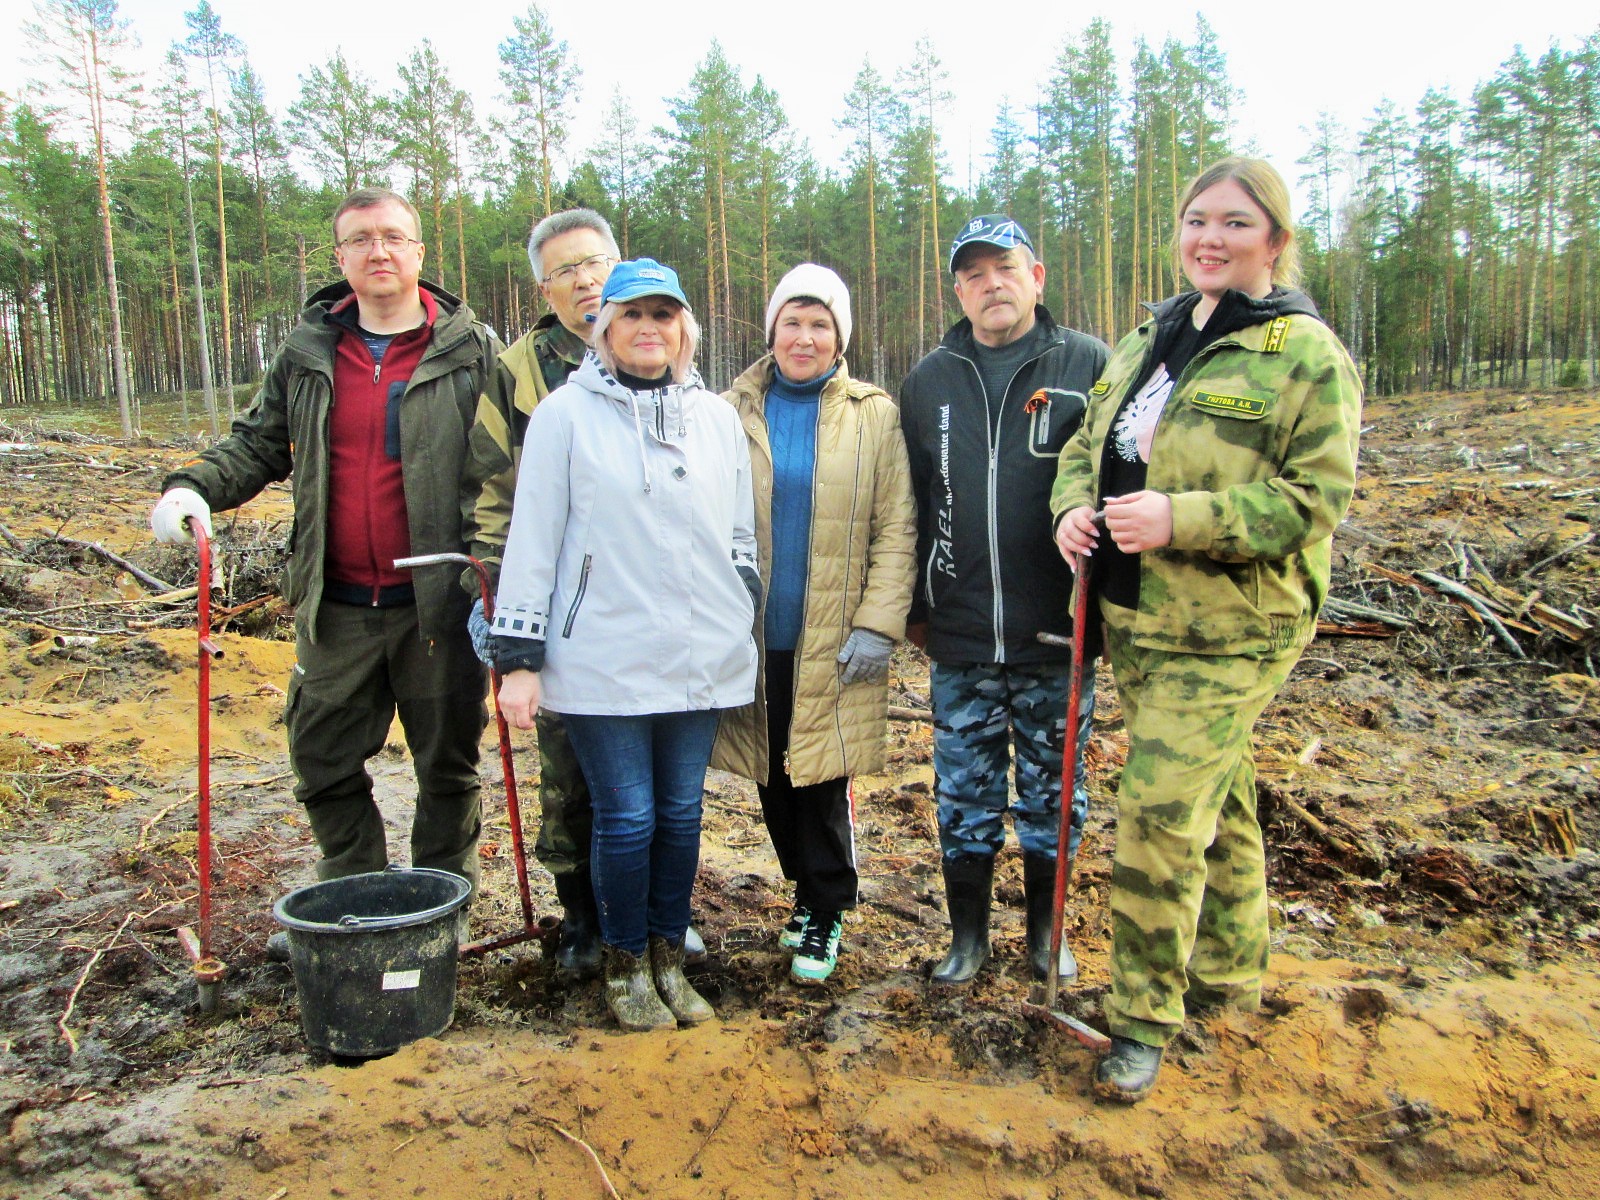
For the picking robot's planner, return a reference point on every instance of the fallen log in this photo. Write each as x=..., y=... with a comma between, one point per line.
x=143, y=576
x=1478, y=604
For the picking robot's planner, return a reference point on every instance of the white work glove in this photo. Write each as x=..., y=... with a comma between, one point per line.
x=865, y=657
x=480, y=633
x=169, y=520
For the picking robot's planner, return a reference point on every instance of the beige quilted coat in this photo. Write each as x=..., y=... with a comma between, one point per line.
x=863, y=565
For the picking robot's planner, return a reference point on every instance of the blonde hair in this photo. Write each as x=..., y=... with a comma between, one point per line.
x=1262, y=183
x=686, y=346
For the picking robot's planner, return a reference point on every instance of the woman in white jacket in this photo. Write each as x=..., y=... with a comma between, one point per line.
x=626, y=603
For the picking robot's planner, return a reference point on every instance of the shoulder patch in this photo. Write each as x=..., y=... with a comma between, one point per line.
x=1100, y=388
x=1277, y=331
x=1247, y=407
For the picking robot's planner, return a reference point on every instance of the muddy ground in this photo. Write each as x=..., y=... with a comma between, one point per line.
x=1430, y=798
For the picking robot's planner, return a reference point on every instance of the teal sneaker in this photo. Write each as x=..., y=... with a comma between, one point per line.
x=819, y=949
x=794, y=931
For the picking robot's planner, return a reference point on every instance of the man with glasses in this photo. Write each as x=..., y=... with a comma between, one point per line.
x=985, y=416
x=367, y=405
x=572, y=254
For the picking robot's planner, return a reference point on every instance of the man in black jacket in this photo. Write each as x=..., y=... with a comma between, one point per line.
x=985, y=416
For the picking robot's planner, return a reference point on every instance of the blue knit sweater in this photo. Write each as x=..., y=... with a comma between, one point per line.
x=792, y=429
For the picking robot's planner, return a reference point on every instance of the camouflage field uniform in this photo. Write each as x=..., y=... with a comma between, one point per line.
x=530, y=369
x=973, y=708
x=1256, y=448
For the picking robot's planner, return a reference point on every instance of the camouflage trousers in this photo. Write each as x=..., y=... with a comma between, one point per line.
x=1189, y=882
x=566, y=815
x=981, y=713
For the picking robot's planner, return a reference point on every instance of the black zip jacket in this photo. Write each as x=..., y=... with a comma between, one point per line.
x=990, y=578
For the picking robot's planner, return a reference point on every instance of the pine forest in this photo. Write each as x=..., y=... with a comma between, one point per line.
x=159, y=233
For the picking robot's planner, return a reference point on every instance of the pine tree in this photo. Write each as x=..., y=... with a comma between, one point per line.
x=177, y=99
x=338, y=121
x=217, y=51
x=541, y=85
x=80, y=40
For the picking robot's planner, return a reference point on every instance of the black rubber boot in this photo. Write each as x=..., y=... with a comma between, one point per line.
x=968, y=888
x=1039, y=886
x=578, y=950
x=1128, y=1073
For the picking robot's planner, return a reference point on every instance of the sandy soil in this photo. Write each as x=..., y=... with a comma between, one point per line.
x=1431, y=803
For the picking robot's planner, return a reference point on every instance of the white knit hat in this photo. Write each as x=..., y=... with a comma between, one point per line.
x=808, y=279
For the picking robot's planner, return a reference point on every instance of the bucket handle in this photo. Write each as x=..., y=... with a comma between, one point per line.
x=351, y=921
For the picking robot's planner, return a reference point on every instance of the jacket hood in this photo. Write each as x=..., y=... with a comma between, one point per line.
x=326, y=298
x=960, y=339
x=662, y=410
x=1236, y=310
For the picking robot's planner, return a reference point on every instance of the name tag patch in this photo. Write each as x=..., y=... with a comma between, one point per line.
x=1247, y=407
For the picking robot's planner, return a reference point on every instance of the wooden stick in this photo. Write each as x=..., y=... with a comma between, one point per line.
x=605, y=1180
x=896, y=713
x=83, y=978
x=1478, y=605
x=1333, y=606
x=1559, y=555
x=110, y=556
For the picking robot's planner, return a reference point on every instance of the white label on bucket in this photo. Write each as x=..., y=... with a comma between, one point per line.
x=399, y=981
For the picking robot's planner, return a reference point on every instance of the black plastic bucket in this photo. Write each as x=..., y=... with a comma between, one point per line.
x=374, y=958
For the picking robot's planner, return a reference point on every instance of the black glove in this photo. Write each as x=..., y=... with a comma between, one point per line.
x=752, y=583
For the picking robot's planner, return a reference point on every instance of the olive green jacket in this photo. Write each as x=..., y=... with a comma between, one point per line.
x=1257, y=449
x=286, y=430
x=528, y=370
x=862, y=568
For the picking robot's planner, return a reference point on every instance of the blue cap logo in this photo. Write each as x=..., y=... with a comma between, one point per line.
x=642, y=277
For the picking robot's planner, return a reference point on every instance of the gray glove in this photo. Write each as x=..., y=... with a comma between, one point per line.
x=865, y=657
x=478, y=631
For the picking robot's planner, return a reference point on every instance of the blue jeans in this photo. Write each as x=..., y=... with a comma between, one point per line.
x=645, y=775
x=982, y=711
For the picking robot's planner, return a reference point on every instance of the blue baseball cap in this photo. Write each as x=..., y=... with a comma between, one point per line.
x=995, y=229
x=641, y=277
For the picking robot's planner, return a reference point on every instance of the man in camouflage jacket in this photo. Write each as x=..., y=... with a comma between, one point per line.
x=572, y=254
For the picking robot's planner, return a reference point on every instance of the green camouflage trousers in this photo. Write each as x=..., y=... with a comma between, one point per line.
x=1189, y=883
x=566, y=814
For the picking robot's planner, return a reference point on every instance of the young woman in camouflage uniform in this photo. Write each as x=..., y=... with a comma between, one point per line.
x=1221, y=443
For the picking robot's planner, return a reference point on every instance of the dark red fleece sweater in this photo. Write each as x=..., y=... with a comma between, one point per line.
x=367, y=526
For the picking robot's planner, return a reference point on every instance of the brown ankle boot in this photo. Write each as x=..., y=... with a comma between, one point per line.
x=666, y=964
x=631, y=993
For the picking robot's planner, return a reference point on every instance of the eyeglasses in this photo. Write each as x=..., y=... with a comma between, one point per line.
x=594, y=266
x=363, y=243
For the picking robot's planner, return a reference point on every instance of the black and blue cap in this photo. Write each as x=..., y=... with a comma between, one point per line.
x=642, y=277
x=995, y=229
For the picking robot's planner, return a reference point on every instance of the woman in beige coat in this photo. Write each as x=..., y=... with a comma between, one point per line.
x=836, y=539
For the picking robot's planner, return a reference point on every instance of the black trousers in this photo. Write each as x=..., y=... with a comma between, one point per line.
x=812, y=827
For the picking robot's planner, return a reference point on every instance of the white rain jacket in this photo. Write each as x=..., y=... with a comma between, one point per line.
x=633, y=512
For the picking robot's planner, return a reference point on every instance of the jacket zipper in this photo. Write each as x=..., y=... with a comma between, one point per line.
x=805, y=599
x=577, y=600
x=992, y=495
x=849, y=534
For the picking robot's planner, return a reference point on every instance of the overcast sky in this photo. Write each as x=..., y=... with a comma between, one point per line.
x=1292, y=61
